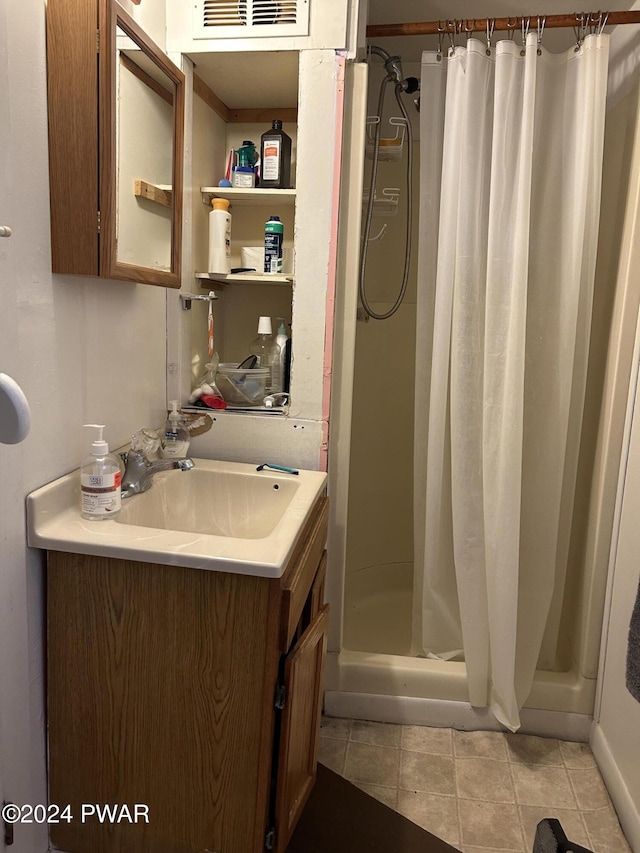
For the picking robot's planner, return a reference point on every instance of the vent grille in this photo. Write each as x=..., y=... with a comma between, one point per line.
x=250, y=18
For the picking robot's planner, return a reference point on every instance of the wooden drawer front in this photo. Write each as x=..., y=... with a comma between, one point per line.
x=298, y=751
x=299, y=578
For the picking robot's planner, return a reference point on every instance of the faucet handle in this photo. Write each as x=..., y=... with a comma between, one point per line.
x=146, y=442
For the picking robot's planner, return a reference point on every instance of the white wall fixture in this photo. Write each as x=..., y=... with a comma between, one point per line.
x=15, y=417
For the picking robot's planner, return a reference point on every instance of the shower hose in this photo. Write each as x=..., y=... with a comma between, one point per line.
x=367, y=224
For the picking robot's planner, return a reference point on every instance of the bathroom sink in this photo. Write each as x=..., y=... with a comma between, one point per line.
x=238, y=504
x=220, y=516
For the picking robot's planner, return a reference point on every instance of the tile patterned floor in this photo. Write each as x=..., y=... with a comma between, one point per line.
x=483, y=792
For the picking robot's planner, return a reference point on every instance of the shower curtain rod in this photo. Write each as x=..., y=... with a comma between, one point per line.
x=468, y=25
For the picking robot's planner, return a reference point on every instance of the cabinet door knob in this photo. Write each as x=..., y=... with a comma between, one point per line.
x=5, y=231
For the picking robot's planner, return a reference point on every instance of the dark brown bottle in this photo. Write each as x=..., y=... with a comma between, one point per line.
x=275, y=158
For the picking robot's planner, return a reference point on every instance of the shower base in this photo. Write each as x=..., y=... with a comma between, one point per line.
x=377, y=609
x=374, y=677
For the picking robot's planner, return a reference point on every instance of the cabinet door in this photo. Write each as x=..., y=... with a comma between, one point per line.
x=303, y=678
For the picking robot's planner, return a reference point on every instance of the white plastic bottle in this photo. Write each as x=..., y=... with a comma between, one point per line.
x=268, y=353
x=100, y=478
x=219, y=237
x=175, y=441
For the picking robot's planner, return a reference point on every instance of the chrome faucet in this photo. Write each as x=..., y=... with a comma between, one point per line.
x=139, y=471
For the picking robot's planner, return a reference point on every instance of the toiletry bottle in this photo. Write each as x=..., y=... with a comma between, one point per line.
x=275, y=154
x=100, y=478
x=219, y=237
x=244, y=170
x=175, y=441
x=273, y=237
x=281, y=340
x=286, y=376
x=268, y=354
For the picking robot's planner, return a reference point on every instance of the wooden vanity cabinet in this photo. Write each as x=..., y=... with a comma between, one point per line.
x=194, y=693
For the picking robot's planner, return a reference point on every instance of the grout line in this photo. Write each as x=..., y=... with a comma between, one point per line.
x=455, y=784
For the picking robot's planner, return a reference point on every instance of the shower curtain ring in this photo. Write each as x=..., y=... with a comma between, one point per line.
x=581, y=30
x=451, y=32
x=511, y=27
x=526, y=26
x=491, y=25
x=441, y=31
x=541, y=25
x=604, y=17
x=469, y=29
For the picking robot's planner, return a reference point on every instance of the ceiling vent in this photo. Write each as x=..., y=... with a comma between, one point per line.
x=250, y=18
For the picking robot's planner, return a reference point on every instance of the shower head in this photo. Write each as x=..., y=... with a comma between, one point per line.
x=392, y=64
x=393, y=67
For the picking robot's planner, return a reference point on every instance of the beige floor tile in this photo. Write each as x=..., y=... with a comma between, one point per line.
x=432, y=774
x=484, y=779
x=480, y=745
x=577, y=755
x=589, y=789
x=604, y=831
x=571, y=821
x=427, y=739
x=538, y=785
x=438, y=815
x=376, y=734
x=388, y=796
x=528, y=749
x=332, y=753
x=374, y=765
x=495, y=825
x=335, y=727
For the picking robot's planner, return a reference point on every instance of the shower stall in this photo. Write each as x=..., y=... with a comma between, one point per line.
x=373, y=671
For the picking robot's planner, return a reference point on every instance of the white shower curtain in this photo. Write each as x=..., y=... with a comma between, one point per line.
x=511, y=163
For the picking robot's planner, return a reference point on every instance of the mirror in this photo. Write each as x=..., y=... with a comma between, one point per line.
x=146, y=106
x=116, y=131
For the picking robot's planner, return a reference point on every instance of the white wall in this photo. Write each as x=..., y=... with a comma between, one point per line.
x=83, y=350
x=615, y=732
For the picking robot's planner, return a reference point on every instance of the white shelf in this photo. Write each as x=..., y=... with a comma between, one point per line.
x=245, y=278
x=255, y=197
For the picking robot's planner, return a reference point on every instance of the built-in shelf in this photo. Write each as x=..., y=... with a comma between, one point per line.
x=153, y=192
x=247, y=411
x=244, y=278
x=257, y=197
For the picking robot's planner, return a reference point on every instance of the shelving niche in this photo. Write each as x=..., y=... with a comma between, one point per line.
x=236, y=97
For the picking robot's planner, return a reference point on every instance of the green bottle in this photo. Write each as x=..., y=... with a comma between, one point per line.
x=273, y=237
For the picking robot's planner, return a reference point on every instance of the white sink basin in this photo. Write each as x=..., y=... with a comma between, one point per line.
x=220, y=516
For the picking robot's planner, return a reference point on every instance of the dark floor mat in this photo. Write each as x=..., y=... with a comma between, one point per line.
x=340, y=817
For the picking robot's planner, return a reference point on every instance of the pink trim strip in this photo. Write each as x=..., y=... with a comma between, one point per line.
x=333, y=265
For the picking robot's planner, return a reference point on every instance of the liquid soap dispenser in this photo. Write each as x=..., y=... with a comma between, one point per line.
x=175, y=441
x=100, y=478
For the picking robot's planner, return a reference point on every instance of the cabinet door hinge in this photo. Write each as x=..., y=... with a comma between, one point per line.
x=270, y=839
x=97, y=41
x=98, y=222
x=281, y=694
x=8, y=827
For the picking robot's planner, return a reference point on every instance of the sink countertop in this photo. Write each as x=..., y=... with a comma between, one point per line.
x=54, y=522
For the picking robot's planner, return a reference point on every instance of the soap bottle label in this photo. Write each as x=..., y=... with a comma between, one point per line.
x=174, y=447
x=101, y=493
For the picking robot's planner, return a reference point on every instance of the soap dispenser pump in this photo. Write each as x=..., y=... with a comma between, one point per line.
x=100, y=478
x=175, y=441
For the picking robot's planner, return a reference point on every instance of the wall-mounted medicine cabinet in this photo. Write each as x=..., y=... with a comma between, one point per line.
x=116, y=129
